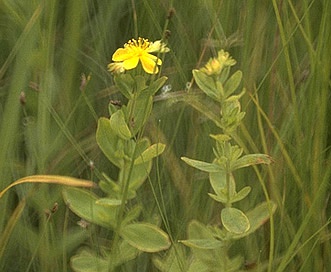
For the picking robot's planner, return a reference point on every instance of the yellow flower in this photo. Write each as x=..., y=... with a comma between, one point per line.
x=216, y=65
x=134, y=51
x=213, y=66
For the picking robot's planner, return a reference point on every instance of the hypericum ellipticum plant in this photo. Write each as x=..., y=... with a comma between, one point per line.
x=210, y=244
x=120, y=137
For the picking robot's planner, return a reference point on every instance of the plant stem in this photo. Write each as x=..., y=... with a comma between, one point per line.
x=125, y=182
x=228, y=176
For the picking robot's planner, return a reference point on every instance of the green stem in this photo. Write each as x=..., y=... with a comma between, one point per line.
x=120, y=215
x=125, y=182
x=228, y=176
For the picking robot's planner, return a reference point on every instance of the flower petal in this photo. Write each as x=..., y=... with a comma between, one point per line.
x=158, y=46
x=130, y=63
x=149, y=64
x=116, y=67
x=122, y=54
x=153, y=58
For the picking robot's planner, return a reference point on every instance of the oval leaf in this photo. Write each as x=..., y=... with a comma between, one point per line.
x=251, y=159
x=203, y=243
x=203, y=166
x=126, y=84
x=156, y=85
x=108, y=202
x=140, y=109
x=218, y=180
x=232, y=83
x=108, y=141
x=145, y=237
x=258, y=216
x=89, y=261
x=197, y=230
x=119, y=126
x=86, y=261
x=141, y=145
x=220, y=137
x=206, y=84
x=261, y=213
x=83, y=203
x=219, y=197
x=150, y=153
x=139, y=174
x=241, y=194
x=234, y=220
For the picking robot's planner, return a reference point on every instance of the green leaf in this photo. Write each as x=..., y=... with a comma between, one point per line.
x=215, y=262
x=197, y=230
x=141, y=145
x=174, y=261
x=206, y=84
x=126, y=253
x=232, y=186
x=108, y=202
x=125, y=83
x=83, y=204
x=217, y=180
x=119, y=126
x=203, y=166
x=155, y=86
x=140, y=83
x=150, y=153
x=108, y=186
x=261, y=213
x=236, y=97
x=220, y=137
x=138, y=175
x=210, y=257
x=203, y=243
x=236, y=152
x=234, y=220
x=241, y=194
x=113, y=189
x=251, y=159
x=219, y=197
x=224, y=74
x=203, y=265
x=109, y=142
x=222, y=194
x=145, y=237
x=140, y=109
x=257, y=217
x=87, y=261
x=232, y=83
x=131, y=214
x=220, y=89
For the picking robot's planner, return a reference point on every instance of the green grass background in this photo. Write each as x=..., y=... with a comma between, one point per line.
x=284, y=51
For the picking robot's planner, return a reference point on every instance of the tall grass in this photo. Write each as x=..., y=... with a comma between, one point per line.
x=283, y=49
